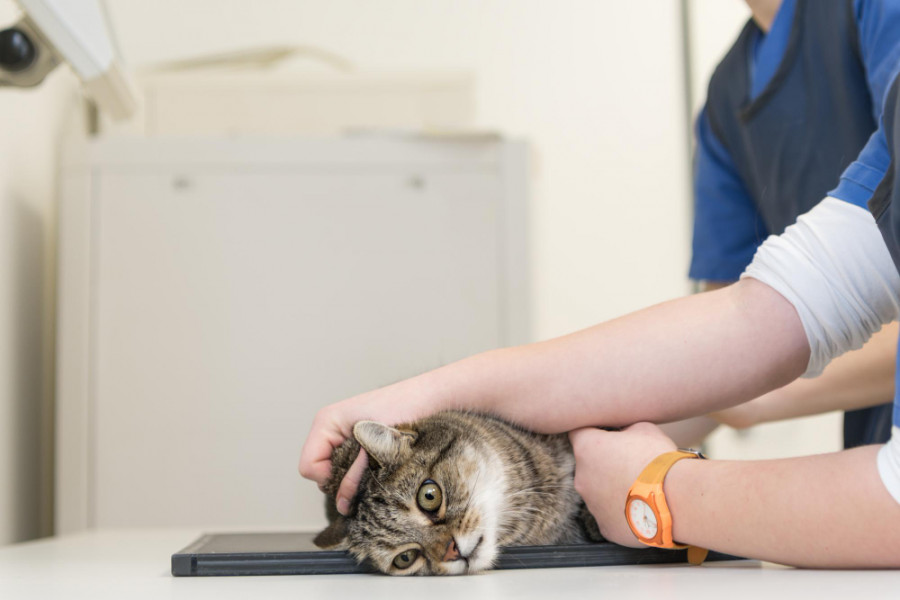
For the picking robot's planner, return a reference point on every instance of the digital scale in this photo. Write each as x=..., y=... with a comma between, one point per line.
x=295, y=554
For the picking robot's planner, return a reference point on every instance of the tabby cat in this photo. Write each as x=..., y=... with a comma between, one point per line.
x=442, y=494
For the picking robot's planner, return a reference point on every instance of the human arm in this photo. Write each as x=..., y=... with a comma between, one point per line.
x=858, y=379
x=727, y=228
x=835, y=510
x=850, y=381
x=685, y=357
x=681, y=358
x=691, y=432
x=827, y=511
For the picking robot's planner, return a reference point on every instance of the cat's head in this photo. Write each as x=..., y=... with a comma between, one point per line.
x=427, y=505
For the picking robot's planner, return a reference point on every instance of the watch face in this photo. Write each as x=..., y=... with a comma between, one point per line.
x=642, y=518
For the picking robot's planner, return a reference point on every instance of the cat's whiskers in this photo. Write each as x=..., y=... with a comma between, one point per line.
x=521, y=510
x=540, y=491
x=472, y=491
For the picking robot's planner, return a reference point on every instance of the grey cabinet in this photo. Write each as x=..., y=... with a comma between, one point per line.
x=215, y=294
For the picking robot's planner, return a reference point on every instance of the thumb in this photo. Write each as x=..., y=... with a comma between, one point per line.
x=584, y=435
x=350, y=482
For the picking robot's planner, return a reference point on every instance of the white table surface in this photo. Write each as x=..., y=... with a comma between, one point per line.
x=135, y=564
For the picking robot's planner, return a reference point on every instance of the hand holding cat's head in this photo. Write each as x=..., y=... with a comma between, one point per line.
x=419, y=509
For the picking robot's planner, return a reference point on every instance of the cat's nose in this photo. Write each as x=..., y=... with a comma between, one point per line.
x=452, y=552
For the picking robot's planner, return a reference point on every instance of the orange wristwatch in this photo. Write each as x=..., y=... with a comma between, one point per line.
x=646, y=510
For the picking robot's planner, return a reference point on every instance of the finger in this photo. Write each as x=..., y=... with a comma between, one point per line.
x=315, y=457
x=578, y=437
x=643, y=427
x=350, y=483
x=647, y=431
x=318, y=472
x=649, y=435
x=315, y=461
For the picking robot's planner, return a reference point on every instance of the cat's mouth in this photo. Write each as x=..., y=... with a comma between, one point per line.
x=473, y=554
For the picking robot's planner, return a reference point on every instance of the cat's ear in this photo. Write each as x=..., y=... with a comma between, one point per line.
x=334, y=536
x=386, y=445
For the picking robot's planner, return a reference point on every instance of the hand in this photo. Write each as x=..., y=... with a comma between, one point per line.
x=333, y=424
x=606, y=464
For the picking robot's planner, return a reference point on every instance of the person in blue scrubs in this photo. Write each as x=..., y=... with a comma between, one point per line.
x=790, y=106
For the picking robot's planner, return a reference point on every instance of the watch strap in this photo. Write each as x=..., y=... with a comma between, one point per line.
x=696, y=555
x=653, y=475
x=659, y=467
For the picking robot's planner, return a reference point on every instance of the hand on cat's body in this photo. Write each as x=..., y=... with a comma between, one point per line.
x=331, y=426
x=606, y=464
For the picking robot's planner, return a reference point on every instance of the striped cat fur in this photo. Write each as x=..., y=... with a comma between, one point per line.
x=443, y=494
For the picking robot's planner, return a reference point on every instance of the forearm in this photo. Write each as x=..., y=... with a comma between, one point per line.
x=858, y=379
x=682, y=358
x=829, y=510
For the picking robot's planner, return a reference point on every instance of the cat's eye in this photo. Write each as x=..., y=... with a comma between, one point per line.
x=406, y=558
x=429, y=497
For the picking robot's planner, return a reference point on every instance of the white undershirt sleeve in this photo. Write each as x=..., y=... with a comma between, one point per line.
x=889, y=464
x=835, y=269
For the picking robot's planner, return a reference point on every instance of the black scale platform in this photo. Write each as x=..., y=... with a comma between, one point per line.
x=294, y=554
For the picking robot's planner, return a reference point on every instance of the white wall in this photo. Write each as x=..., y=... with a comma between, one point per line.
x=595, y=86
x=31, y=121
x=714, y=26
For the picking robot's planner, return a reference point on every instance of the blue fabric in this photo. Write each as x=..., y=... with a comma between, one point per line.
x=714, y=256
x=786, y=113
x=733, y=214
x=866, y=426
x=768, y=49
x=885, y=201
x=879, y=24
x=718, y=257
x=863, y=175
x=727, y=226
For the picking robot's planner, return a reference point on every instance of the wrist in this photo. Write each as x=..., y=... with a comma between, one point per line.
x=684, y=489
x=461, y=385
x=647, y=509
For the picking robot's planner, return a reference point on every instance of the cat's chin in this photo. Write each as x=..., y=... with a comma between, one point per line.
x=479, y=564
x=483, y=558
x=470, y=567
x=480, y=558
x=457, y=567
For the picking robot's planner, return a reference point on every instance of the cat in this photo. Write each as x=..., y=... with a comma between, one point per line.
x=444, y=493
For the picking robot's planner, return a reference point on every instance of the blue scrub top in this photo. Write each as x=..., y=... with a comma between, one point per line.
x=727, y=225
x=885, y=201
